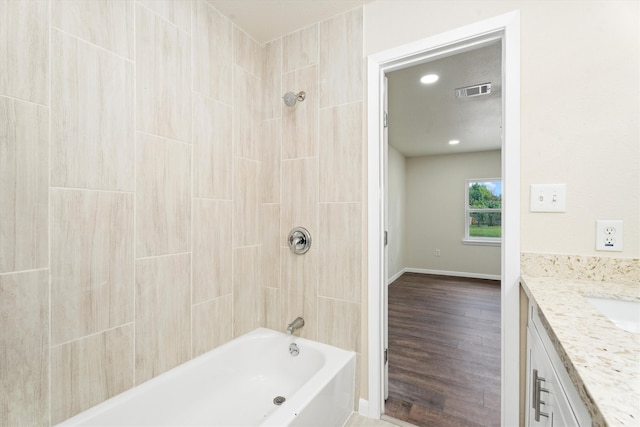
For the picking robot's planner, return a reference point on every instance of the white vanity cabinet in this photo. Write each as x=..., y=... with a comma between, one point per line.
x=552, y=400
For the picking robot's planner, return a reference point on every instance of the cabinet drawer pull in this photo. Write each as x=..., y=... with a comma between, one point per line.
x=537, y=401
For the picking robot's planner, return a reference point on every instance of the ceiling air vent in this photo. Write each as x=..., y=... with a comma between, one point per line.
x=475, y=90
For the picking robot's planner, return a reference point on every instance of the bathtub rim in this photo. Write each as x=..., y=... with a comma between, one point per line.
x=297, y=398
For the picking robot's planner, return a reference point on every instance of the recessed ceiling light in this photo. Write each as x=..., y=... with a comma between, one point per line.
x=428, y=79
x=454, y=142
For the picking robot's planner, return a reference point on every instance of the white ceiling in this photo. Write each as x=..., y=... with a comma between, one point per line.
x=266, y=20
x=423, y=118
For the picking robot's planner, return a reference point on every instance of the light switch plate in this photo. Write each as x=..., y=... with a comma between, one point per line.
x=548, y=198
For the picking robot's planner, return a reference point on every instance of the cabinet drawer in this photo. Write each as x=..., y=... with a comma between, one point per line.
x=553, y=400
x=568, y=408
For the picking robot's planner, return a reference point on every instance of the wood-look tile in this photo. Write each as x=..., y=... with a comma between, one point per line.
x=247, y=290
x=212, y=53
x=300, y=122
x=247, y=53
x=24, y=340
x=163, y=314
x=271, y=241
x=212, y=249
x=299, y=273
x=271, y=160
x=247, y=115
x=272, y=80
x=91, y=262
x=341, y=70
x=178, y=12
x=300, y=49
x=272, y=309
x=358, y=380
x=24, y=51
x=344, y=279
x=335, y=315
x=106, y=23
x=24, y=210
x=341, y=151
x=299, y=284
x=163, y=75
x=92, y=128
x=246, y=203
x=304, y=305
x=299, y=205
x=212, y=324
x=163, y=196
x=89, y=371
x=212, y=149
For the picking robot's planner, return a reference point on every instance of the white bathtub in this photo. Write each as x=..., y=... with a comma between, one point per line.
x=235, y=385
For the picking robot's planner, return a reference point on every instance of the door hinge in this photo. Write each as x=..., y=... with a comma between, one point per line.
x=386, y=237
x=386, y=355
x=386, y=119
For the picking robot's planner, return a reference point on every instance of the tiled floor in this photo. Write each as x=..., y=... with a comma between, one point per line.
x=357, y=420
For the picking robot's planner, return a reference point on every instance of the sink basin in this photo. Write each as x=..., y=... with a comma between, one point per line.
x=625, y=314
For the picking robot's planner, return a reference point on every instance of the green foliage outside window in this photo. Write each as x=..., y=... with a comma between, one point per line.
x=485, y=209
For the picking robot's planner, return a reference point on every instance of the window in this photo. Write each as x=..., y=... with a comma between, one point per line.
x=483, y=211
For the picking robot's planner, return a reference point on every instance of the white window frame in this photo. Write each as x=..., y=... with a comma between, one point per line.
x=469, y=240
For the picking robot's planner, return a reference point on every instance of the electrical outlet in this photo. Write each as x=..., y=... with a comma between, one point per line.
x=609, y=236
x=437, y=252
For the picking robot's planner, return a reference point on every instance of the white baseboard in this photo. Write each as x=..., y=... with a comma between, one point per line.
x=363, y=407
x=453, y=273
x=395, y=276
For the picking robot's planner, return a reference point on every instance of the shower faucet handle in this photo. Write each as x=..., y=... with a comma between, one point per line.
x=299, y=240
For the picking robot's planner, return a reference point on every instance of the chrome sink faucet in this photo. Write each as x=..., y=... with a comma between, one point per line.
x=296, y=324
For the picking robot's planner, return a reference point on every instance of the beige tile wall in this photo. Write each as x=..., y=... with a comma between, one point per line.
x=24, y=339
x=90, y=153
x=321, y=178
x=92, y=265
x=163, y=311
x=90, y=370
x=151, y=174
x=24, y=164
x=24, y=53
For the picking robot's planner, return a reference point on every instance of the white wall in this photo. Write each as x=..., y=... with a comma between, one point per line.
x=396, y=212
x=579, y=106
x=435, y=213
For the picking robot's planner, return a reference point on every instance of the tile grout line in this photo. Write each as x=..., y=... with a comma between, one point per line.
x=92, y=334
x=13, y=98
x=61, y=188
x=192, y=175
x=233, y=179
x=168, y=139
x=135, y=194
x=317, y=189
x=49, y=223
x=85, y=41
x=157, y=15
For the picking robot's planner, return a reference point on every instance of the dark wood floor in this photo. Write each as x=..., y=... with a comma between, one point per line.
x=444, y=351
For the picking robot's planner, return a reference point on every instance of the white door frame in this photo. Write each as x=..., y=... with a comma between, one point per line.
x=507, y=28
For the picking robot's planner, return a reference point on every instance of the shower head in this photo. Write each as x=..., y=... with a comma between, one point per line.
x=291, y=98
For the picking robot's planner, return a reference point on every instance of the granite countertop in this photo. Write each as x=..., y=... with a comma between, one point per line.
x=602, y=360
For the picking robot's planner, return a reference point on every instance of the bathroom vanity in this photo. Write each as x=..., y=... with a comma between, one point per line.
x=551, y=398
x=582, y=368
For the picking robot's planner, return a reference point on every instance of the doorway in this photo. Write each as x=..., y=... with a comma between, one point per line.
x=443, y=259
x=506, y=29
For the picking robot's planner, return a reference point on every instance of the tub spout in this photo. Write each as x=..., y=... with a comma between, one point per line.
x=296, y=324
